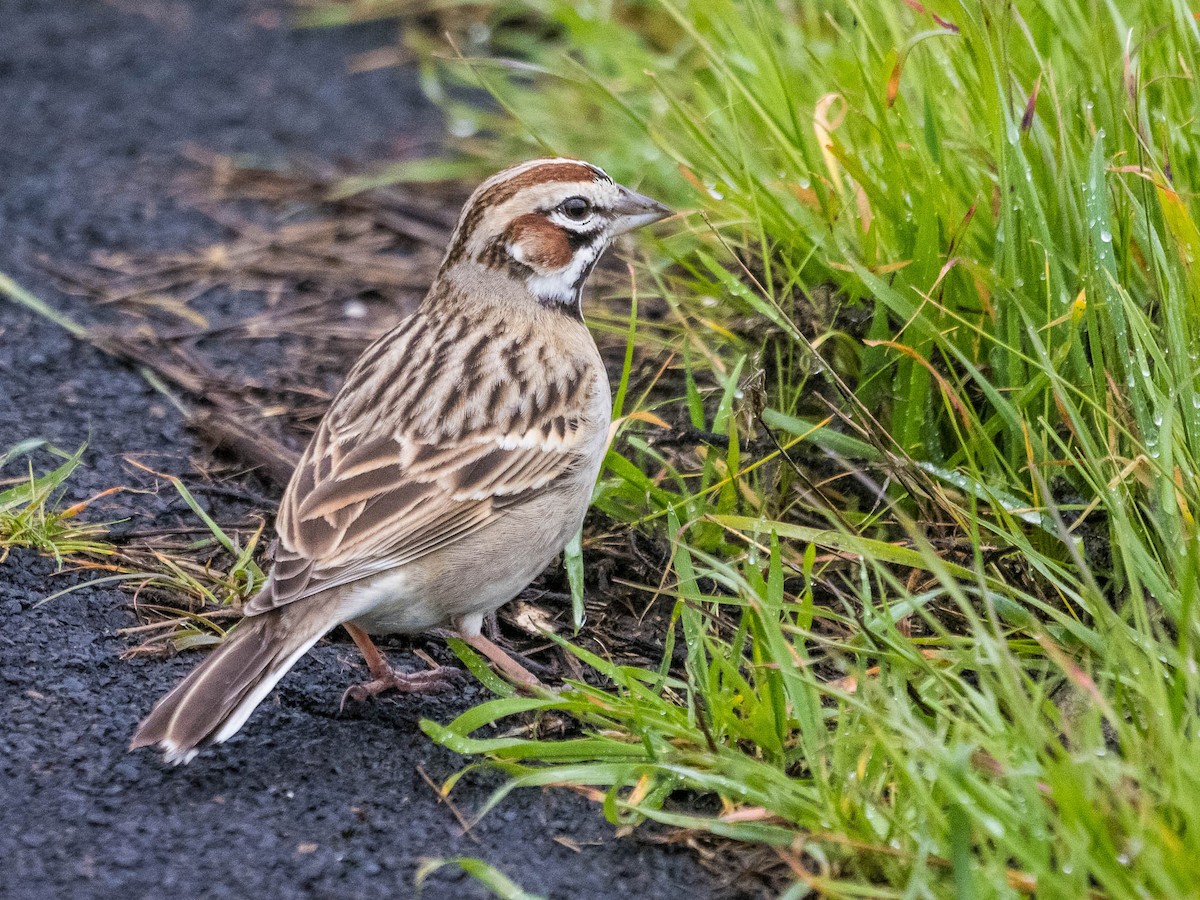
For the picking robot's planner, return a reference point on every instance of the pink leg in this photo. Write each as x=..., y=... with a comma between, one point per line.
x=502, y=661
x=385, y=678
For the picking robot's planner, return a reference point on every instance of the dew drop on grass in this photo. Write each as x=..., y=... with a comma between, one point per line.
x=1067, y=868
x=1106, y=235
x=992, y=826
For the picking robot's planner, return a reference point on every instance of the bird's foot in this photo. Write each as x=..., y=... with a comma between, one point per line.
x=431, y=681
x=385, y=678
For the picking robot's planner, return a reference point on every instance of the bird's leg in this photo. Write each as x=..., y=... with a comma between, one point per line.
x=385, y=678
x=502, y=661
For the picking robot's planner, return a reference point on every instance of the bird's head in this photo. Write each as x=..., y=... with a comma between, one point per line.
x=546, y=223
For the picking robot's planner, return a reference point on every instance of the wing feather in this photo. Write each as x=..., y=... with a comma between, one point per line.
x=372, y=493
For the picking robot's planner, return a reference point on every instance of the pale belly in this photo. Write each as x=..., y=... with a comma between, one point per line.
x=473, y=577
x=465, y=581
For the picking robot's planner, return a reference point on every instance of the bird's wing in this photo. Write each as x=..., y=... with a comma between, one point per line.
x=411, y=458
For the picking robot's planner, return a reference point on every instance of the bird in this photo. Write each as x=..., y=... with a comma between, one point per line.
x=455, y=463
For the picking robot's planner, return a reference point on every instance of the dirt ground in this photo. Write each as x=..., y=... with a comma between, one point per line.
x=101, y=101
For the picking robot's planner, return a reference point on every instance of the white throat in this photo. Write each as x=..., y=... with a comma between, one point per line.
x=562, y=286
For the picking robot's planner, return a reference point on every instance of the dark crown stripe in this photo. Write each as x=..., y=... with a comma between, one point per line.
x=504, y=190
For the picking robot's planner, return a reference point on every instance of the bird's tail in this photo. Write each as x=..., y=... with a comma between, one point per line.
x=214, y=701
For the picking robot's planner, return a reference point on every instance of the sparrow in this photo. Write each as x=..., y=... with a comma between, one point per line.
x=453, y=466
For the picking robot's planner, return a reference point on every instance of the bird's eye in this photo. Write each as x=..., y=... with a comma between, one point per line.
x=576, y=208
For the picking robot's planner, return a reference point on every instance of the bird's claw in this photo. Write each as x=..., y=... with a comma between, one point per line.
x=430, y=681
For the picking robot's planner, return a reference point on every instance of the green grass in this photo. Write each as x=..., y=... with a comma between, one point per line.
x=31, y=512
x=488, y=876
x=198, y=577
x=973, y=671
x=193, y=576
x=188, y=586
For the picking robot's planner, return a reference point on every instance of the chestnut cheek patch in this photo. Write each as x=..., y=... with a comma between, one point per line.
x=543, y=245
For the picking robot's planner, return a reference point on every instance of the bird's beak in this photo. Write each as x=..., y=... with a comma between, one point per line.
x=633, y=210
